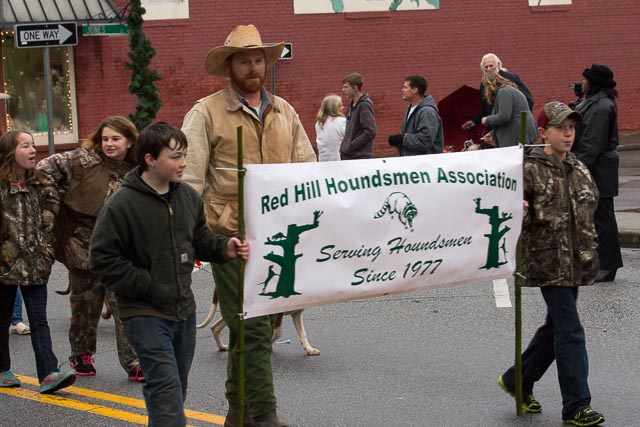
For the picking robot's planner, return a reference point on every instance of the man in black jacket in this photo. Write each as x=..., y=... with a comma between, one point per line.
x=491, y=63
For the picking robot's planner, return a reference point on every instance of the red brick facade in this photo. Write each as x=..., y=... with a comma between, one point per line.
x=548, y=47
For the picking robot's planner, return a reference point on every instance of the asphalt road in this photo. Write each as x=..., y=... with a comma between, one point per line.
x=423, y=359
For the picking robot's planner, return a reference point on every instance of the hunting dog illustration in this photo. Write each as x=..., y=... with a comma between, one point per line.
x=218, y=326
x=398, y=203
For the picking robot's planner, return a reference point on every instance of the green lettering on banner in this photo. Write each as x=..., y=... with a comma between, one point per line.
x=497, y=180
x=272, y=203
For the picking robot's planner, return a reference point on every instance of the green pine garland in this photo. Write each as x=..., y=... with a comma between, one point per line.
x=142, y=77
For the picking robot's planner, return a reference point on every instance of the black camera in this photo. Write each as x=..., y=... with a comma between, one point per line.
x=577, y=89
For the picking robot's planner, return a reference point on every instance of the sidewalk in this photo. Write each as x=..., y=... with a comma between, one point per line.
x=627, y=204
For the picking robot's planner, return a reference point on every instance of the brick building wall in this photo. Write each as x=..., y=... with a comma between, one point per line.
x=547, y=47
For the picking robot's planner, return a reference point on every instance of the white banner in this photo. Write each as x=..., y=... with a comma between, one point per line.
x=335, y=231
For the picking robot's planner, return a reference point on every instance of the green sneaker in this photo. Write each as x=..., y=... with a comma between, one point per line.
x=529, y=403
x=7, y=379
x=586, y=417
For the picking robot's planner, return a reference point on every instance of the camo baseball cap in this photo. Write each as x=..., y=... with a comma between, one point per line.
x=554, y=113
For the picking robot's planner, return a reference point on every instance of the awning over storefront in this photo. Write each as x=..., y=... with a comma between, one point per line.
x=43, y=11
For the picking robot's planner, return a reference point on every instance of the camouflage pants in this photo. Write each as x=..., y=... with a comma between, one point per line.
x=87, y=296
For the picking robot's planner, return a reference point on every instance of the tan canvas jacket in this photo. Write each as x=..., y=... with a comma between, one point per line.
x=210, y=127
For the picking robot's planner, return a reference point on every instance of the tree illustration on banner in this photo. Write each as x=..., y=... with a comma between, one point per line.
x=287, y=261
x=496, y=218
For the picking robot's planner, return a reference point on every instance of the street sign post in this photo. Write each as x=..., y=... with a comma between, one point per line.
x=43, y=35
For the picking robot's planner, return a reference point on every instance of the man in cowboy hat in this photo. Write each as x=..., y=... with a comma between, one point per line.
x=272, y=133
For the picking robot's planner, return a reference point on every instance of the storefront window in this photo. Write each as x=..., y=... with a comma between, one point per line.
x=24, y=82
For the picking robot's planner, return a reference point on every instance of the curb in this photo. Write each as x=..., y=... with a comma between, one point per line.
x=628, y=147
x=629, y=238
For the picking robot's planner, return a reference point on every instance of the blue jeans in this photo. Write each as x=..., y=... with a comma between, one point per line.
x=16, y=317
x=562, y=339
x=165, y=350
x=35, y=300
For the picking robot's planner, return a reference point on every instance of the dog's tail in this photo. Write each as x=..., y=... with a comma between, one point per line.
x=205, y=322
x=212, y=311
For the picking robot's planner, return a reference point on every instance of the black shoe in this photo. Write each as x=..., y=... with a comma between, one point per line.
x=585, y=418
x=606, y=276
x=83, y=365
x=529, y=403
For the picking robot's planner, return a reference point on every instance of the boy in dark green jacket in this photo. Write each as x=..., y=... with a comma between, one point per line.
x=144, y=245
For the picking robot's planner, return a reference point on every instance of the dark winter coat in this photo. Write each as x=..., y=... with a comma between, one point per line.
x=360, y=132
x=144, y=247
x=596, y=141
x=26, y=249
x=422, y=130
x=559, y=238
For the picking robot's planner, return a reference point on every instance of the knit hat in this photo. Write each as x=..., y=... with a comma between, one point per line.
x=242, y=38
x=600, y=75
x=554, y=113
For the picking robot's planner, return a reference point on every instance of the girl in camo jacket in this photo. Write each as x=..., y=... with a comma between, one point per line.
x=77, y=183
x=26, y=260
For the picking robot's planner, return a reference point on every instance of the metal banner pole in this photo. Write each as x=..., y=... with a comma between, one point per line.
x=518, y=292
x=241, y=263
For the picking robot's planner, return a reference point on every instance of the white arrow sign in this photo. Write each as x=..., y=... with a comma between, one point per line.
x=61, y=35
x=46, y=35
x=287, y=52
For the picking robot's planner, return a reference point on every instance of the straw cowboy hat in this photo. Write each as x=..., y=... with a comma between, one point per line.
x=242, y=38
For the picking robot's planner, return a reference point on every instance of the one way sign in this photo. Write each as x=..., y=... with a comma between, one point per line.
x=39, y=35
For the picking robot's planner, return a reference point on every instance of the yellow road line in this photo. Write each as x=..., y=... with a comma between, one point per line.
x=53, y=399
x=108, y=397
